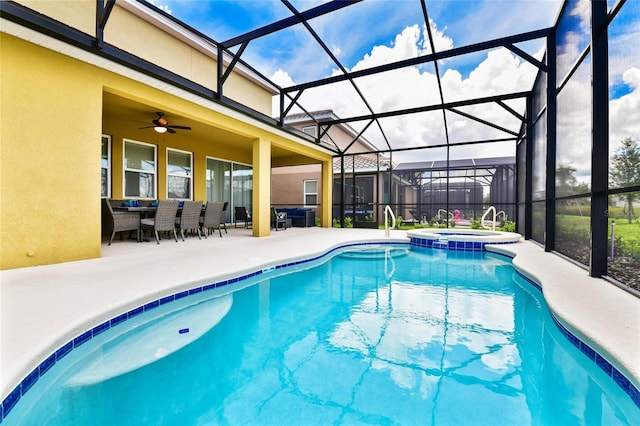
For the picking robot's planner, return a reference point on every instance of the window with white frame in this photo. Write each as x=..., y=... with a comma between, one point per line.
x=179, y=174
x=139, y=170
x=105, y=167
x=310, y=192
x=311, y=130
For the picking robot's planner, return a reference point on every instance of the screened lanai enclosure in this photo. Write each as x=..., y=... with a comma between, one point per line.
x=427, y=193
x=462, y=110
x=532, y=121
x=557, y=153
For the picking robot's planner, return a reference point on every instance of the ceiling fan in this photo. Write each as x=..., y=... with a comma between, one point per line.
x=161, y=125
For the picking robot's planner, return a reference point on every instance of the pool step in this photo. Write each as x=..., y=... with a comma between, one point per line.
x=151, y=341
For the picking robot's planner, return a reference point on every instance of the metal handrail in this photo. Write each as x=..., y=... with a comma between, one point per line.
x=447, y=213
x=493, y=227
x=387, y=212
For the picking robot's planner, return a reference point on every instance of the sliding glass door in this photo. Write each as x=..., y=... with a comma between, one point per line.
x=230, y=182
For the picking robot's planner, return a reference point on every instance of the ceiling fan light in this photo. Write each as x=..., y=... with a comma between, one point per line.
x=160, y=129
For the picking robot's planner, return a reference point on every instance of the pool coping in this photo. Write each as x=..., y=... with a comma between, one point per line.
x=625, y=357
x=38, y=323
x=599, y=318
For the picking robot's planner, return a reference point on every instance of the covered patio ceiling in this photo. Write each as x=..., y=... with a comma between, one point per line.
x=436, y=94
x=132, y=116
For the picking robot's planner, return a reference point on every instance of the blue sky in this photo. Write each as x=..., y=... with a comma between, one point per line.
x=375, y=32
x=354, y=31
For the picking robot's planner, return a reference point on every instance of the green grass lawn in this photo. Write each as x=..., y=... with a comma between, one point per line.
x=624, y=229
x=627, y=230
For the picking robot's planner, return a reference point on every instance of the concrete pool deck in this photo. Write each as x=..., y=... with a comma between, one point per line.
x=42, y=308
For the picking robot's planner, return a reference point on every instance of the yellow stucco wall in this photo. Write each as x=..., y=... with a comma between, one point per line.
x=152, y=43
x=49, y=157
x=79, y=14
x=52, y=113
x=139, y=37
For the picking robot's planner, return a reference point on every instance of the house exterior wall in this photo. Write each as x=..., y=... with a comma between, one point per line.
x=157, y=46
x=289, y=182
x=52, y=121
x=50, y=156
x=76, y=14
x=151, y=40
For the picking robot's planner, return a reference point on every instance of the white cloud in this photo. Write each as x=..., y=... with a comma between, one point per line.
x=163, y=7
x=624, y=112
x=582, y=10
x=441, y=42
x=282, y=78
x=404, y=46
x=500, y=72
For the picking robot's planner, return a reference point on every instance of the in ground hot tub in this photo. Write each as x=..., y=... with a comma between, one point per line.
x=465, y=240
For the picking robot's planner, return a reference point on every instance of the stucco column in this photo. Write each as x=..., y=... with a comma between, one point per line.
x=261, y=214
x=327, y=190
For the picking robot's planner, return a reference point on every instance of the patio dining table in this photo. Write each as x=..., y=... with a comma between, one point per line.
x=137, y=208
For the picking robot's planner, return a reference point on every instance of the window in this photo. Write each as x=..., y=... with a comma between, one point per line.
x=311, y=130
x=139, y=170
x=105, y=167
x=179, y=174
x=310, y=192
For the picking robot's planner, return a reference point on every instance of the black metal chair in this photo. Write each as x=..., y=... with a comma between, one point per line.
x=223, y=221
x=241, y=215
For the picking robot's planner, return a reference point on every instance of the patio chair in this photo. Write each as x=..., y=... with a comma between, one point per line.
x=189, y=220
x=223, y=222
x=165, y=219
x=415, y=219
x=212, y=218
x=241, y=215
x=278, y=219
x=119, y=221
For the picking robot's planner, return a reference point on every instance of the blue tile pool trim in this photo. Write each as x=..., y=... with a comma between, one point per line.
x=14, y=396
x=454, y=245
x=618, y=377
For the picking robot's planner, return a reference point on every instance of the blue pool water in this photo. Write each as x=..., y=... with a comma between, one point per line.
x=399, y=336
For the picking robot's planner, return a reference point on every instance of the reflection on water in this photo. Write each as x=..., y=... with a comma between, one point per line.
x=440, y=338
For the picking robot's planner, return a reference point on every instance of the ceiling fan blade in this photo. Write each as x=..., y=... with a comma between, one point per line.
x=146, y=127
x=170, y=130
x=179, y=127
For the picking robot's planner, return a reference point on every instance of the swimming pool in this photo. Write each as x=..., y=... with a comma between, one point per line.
x=359, y=338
